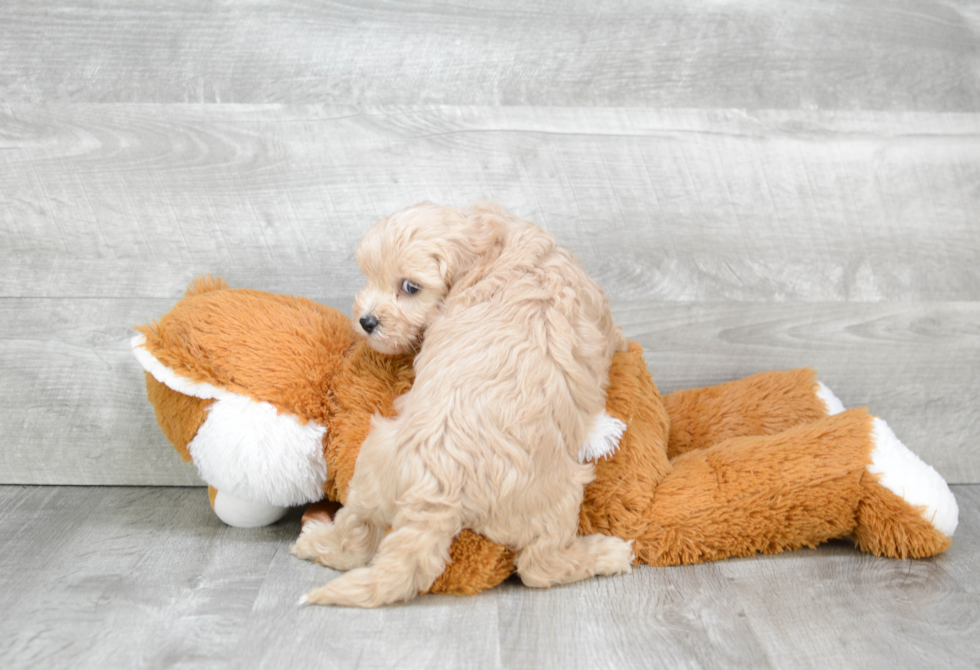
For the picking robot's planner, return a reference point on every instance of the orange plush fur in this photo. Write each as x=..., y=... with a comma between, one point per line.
x=754, y=465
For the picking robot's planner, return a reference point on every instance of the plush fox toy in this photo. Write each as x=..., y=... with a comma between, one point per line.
x=271, y=396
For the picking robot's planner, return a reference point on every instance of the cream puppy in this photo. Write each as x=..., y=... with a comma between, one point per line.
x=514, y=345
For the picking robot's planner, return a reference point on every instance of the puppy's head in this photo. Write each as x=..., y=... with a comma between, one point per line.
x=412, y=260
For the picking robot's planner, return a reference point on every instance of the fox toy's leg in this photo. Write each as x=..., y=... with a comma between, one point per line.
x=762, y=404
x=843, y=475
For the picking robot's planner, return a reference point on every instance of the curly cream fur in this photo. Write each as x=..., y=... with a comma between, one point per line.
x=515, y=343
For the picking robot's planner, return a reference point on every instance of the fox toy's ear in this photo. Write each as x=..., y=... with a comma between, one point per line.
x=179, y=416
x=239, y=381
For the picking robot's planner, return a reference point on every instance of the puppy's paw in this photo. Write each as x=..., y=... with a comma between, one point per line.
x=614, y=555
x=324, y=543
x=312, y=540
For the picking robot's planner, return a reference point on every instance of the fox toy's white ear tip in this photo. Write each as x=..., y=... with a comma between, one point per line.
x=909, y=477
x=167, y=377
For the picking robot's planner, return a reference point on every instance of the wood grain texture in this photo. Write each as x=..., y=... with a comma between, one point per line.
x=681, y=53
x=668, y=205
x=941, y=594
x=119, y=577
x=73, y=406
x=757, y=185
x=966, y=567
x=915, y=365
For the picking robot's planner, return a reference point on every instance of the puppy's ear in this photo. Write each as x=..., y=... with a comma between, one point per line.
x=447, y=267
x=476, y=238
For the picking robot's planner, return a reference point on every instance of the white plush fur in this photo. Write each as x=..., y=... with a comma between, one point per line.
x=833, y=403
x=246, y=448
x=510, y=375
x=906, y=475
x=604, y=439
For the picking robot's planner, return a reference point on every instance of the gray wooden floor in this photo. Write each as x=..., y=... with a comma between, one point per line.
x=757, y=184
x=119, y=577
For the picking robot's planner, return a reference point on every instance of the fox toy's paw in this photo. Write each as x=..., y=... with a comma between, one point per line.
x=907, y=509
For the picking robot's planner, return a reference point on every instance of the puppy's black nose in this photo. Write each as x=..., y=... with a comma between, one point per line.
x=369, y=323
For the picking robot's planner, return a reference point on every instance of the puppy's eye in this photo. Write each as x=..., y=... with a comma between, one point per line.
x=410, y=287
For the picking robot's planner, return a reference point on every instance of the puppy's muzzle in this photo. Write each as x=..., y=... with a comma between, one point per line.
x=369, y=323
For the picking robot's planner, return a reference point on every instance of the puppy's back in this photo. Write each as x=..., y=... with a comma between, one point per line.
x=528, y=341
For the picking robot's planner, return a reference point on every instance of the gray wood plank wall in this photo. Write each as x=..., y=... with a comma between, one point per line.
x=756, y=184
